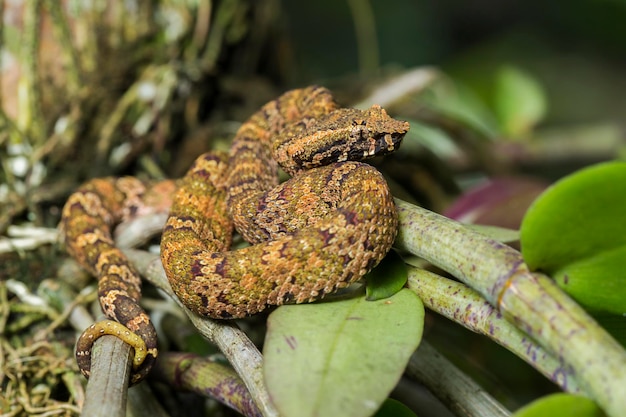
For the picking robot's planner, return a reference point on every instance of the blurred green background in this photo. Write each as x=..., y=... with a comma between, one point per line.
x=576, y=49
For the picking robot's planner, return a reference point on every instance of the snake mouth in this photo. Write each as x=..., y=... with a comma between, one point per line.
x=381, y=133
x=387, y=143
x=375, y=143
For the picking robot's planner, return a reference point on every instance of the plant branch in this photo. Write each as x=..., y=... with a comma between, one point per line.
x=465, y=306
x=107, y=388
x=454, y=388
x=531, y=301
x=206, y=377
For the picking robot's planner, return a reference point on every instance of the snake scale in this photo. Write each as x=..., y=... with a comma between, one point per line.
x=321, y=230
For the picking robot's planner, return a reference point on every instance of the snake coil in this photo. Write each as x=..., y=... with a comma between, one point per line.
x=321, y=230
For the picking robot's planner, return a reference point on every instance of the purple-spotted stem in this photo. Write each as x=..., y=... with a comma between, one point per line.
x=529, y=300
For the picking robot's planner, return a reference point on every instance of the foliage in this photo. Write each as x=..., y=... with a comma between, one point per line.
x=576, y=232
x=340, y=357
x=564, y=405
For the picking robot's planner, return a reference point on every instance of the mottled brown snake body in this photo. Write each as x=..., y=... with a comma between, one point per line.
x=323, y=229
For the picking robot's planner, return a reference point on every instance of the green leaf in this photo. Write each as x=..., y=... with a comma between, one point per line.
x=578, y=217
x=576, y=232
x=520, y=102
x=459, y=105
x=340, y=358
x=387, y=278
x=393, y=408
x=597, y=282
x=562, y=405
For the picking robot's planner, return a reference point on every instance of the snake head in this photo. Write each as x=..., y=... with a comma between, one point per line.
x=341, y=135
x=375, y=134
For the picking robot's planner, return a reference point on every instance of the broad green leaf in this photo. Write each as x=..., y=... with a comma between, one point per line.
x=520, y=101
x=387, y=278
x=562, y=405
x=579, y=216
x=393, y=408
x=340, y=358
x=597, y=282
x=576, y=232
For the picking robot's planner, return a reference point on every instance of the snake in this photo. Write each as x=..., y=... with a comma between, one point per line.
x=319, y=231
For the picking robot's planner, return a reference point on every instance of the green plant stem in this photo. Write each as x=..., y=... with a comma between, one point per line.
x=366, y=36
x=203, y=376
x=142, y=402
x=106, y=393
x=224, y=16
x=458, y=392
x=465, y=306
x=62, y=28
x=531, y=301
x=33, y=122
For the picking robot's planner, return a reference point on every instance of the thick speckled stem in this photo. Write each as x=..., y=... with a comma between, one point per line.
x=531, y=301
x=205, y=377
x=459, y=303
x=456, y=390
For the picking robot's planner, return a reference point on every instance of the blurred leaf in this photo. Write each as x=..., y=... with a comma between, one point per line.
x=597, y=282
x=431, y=138
x=577, y=217
x=497, y=202
x=520, y=101
x=562, y=405
x=461, y=104
x=576, y=232
x=340, y=358
x=387, y=278
x=393, y=408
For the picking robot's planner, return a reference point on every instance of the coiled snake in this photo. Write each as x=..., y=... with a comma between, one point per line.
x=323, y=229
